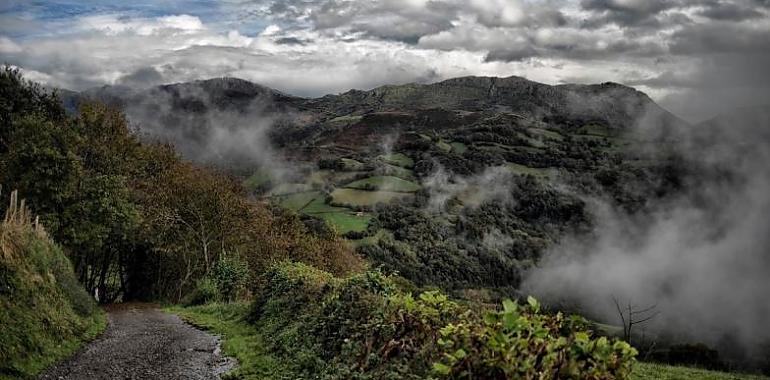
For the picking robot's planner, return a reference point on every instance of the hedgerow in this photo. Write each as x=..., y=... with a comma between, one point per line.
x=364, y=327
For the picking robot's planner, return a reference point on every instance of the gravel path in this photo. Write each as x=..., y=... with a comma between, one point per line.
x=142, y=342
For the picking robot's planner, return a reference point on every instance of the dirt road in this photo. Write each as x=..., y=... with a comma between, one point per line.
x=142, y=342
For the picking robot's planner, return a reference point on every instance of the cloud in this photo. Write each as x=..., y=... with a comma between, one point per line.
x=314, y=47
x=702, y=258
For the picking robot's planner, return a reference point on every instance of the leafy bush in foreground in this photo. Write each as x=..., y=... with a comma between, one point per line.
x=363, y=327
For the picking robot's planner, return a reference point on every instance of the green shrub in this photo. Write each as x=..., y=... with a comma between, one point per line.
x=231, y=275
x=521, y=342
x=205, y=291
x=364, y=327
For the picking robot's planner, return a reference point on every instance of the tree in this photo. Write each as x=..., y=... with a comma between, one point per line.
x=631, y=316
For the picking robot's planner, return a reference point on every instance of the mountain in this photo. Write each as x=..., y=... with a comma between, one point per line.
x=191, y=114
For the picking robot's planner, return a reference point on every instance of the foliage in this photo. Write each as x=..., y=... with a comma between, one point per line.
x=44, y=312
x=241, y=340
x=364, y=327
x=520, y=342
x=137, y=221
x=205, y=292
x=231, y=275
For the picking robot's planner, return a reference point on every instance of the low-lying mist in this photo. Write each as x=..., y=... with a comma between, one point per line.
x=703, y=257
x=205, y=130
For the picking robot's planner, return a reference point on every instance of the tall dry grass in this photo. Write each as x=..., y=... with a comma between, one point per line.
x=17, y=223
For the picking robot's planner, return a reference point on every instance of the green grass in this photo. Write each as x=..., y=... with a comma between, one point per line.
x=524, y=170
x=351, y=165
x=298, y=200
x=546, y=133
x=444, y=146
x=397, y=171
x=458, y=147
x=385, y=183
x=365, y=198
x=313, y=203
x=257, y=180
x=57, y=350
x=240, y=339
x=45, y=314
x=322, y=177
x=397, y=159
x=347, y=119
x=652, y=371
x=346, y=221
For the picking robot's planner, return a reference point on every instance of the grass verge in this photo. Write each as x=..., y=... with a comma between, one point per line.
x=240, y=340
x=653, y=371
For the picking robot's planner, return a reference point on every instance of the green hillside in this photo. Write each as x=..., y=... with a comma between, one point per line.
x=45, y=313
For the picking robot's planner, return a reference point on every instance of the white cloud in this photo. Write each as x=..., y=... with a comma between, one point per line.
x=312, y=47
x=8, y=46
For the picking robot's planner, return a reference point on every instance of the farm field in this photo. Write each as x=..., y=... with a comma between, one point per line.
x=384, y=183
x=365, y=198
x=397, y=159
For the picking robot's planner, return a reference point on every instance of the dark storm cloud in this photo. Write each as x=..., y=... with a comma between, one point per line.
x=628, y=12
x=730, y=11
x=668, y=47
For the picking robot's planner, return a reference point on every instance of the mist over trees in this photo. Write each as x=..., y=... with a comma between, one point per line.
x=136, y=220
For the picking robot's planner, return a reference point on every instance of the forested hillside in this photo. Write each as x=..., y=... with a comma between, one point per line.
x=139, y=223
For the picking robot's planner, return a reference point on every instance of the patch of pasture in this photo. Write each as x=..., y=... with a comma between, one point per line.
x=384, y=183
x=356, y=197
x=526, y=170
x=397, y=159
x=458, y=147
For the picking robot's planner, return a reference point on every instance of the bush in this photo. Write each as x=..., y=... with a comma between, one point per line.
x=205, y=291
x=364, y=327
x=520, y=342
x=231, y=275
x=227, y=281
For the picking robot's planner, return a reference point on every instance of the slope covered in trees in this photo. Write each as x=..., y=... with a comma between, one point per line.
x=136, y=220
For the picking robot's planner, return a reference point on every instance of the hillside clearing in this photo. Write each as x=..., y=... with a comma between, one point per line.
x=384, y=183
x=356, y=197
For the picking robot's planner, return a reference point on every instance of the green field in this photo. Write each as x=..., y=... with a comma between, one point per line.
x=444, y=146
x=312, y=203
x=458, y=147
x=384, y=183
x=345, y=221
x=298, y=200
x=652, y=371
x=365, y=198
x=397, y=159
x=397, y=171
x=526, y=170
x=322, y=177
x=346, y=119
x=351, y=165
x=546, y=133
x=257, y=180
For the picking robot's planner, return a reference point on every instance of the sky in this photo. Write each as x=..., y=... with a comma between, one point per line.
x=696, y=58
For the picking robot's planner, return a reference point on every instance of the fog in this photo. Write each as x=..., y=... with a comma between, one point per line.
x=703, y=257
x=235, y=136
